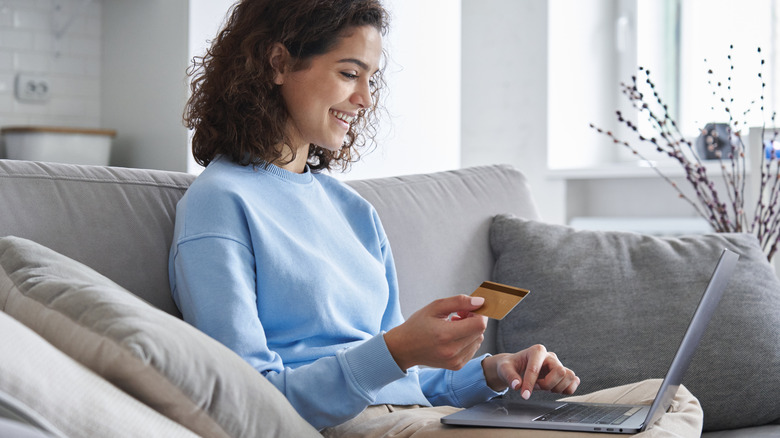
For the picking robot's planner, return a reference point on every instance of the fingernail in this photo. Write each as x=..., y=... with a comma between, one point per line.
x=515, y=383
x=477, y=301
x=526, y=394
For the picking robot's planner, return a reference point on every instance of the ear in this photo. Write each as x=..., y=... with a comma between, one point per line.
x=278, y=59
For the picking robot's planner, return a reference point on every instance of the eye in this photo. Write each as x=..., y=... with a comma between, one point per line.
x=349, y=75
x=375, y=80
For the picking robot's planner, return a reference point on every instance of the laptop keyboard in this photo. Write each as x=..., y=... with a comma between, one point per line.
x=592, y=414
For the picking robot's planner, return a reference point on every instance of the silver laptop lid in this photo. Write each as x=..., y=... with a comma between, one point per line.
x=696, y=328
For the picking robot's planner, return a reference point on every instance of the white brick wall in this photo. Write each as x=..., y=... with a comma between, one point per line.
x=71, y=63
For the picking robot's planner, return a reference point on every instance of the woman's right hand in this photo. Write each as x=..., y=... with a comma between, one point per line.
x=432, y=338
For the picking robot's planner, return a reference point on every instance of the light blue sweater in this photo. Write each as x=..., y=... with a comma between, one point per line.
x=294, y=273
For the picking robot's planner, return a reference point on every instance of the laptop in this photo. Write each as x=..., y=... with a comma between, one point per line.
x=606, y=418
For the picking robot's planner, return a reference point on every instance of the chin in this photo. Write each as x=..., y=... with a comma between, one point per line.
x=332, y=148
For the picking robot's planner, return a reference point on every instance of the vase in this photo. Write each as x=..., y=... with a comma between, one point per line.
x=714, y=141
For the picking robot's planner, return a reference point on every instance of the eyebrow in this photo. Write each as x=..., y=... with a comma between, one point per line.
x=357, y=62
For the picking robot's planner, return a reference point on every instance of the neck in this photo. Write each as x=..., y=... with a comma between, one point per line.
x=298, y=165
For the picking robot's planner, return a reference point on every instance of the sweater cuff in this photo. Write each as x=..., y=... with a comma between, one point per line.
x=369, y=366
x=469, y=385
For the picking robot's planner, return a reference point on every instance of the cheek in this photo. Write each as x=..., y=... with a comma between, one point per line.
x=305, y=103
x=290, y=98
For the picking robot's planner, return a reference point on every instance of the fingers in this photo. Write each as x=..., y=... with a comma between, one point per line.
x=463, y=305
x=428, y=337
x=560, y=380
x=451, y=355
x=466, y=354
x=567, y=385
x=544, y=371
x=509, y=374
x=462, y=336
x=535, y=359
x=455, y=345
x=468, y=327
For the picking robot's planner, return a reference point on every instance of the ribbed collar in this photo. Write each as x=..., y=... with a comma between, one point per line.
x=297, y=178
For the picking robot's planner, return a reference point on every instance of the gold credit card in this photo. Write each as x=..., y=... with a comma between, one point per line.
x=500, y=299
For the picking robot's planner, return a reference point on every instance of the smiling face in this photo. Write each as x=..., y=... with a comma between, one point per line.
x=325, y=97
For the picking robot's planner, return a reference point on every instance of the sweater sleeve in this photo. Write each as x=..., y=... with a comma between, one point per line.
x=463, y=388
x=213, y=283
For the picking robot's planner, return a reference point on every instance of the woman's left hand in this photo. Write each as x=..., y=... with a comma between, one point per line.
x=532, y=368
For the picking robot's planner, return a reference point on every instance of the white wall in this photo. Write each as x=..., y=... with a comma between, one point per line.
x=504, y=93
x=422, y=130
x=206, y=18
x=583, y=88
x=70, y=63
x=145, y=54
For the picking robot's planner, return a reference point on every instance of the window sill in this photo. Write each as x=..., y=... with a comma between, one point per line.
x=635, y=169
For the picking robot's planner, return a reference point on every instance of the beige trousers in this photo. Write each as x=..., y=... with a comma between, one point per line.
x=684, y=418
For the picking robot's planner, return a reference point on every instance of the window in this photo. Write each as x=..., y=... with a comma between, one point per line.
x=686, y=39
x=597, y=44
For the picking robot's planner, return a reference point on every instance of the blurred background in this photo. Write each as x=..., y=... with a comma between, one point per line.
x=471, y=82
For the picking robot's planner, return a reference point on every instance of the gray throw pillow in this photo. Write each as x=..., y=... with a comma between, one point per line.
x=153, y=356
x=613, y=306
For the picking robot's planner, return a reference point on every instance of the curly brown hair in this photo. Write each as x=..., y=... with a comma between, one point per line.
x=236, y=109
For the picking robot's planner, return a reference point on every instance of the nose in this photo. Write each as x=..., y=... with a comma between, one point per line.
x=362, y=94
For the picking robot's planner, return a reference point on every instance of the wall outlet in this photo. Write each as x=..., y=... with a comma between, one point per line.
x=32, y=88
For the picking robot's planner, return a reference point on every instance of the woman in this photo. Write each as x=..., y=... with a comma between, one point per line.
x=289, y=267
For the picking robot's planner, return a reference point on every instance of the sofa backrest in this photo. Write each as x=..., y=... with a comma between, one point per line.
x=438, y=226
x=119, y=221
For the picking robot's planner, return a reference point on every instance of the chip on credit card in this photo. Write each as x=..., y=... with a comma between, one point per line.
x=500, y=299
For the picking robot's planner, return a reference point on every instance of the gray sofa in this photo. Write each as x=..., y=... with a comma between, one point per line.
x=79, y=356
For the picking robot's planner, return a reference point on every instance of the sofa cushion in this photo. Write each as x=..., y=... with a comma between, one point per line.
x=155, y=357
x=614, y=306
x=42, y=387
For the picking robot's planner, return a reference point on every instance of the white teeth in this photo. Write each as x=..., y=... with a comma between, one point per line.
x=342, y=116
